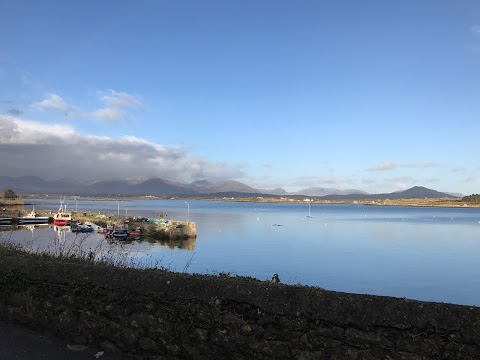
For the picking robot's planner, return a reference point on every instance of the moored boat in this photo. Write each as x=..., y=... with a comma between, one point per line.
x=62, y=217
x=32, y=218
x=82, y=228
x=5, y=220
x=118, y=232
x=94, y=226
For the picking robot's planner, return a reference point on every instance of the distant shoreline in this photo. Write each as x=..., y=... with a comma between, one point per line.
x=428, y=202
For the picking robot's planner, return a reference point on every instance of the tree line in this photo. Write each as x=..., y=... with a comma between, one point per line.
x=472, y=198
x=9, y=194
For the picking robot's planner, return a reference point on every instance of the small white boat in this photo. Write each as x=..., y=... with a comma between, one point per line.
x=32, y=218
x=5, y=220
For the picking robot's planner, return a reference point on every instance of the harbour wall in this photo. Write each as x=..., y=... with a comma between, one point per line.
x=151, y=314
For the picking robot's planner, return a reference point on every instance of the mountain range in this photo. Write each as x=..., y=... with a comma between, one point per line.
x=162, y=187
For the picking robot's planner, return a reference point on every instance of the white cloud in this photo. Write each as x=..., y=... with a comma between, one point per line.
x=54, y=102
x=111, y=115
x=386, y=165
x=114, y=109
x=27, y=146
x=321, y=181
x=119, y=99
x=422, y=164
x=115, y=103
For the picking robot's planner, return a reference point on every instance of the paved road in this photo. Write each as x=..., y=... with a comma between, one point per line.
x=18, y=343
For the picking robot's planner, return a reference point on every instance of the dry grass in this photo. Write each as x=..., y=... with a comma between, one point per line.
x=440, y=202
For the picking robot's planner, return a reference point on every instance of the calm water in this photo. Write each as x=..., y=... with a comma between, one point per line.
x=420, y=253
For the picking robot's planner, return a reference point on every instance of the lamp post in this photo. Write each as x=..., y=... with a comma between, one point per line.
x=188, y=208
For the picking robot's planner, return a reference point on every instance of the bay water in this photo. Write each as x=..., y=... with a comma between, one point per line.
x=422, y=253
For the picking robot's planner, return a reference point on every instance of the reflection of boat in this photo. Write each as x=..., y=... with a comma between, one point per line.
x=30, y=227
x=135, y=231
x=61, y=233
x=5, y=220
x=61, y=217
x=59, y=229
x=32, y=218
x=118, y=232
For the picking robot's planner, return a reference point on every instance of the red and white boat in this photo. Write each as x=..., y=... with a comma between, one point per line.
x=62, y=217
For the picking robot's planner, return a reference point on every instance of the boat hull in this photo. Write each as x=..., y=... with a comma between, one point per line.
x=37, y=220
x=60, y=222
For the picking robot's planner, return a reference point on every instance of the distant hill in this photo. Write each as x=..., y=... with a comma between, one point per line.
x=36, y=185
x=122, y=187
x=416, y=192
x=153, y=186
x=162, y=187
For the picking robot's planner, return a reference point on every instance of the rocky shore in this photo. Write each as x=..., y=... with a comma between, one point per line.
x=153, y=314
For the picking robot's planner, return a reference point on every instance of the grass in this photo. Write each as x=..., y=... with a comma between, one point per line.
x=78, y=251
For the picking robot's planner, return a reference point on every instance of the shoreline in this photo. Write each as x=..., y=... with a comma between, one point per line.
x=428, y=202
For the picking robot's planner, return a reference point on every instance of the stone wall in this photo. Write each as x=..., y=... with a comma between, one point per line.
x=147, y=314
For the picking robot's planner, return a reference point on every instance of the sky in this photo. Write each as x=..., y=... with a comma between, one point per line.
x=373, y=95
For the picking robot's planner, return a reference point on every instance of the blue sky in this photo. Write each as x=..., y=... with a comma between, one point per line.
x=372, y=95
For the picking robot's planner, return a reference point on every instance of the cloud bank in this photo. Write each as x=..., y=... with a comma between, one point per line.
x=59, y=151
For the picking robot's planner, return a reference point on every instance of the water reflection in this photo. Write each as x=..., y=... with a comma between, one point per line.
x=182, y=244
x=61, y=233
x=6, y=227
x=59, y=239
